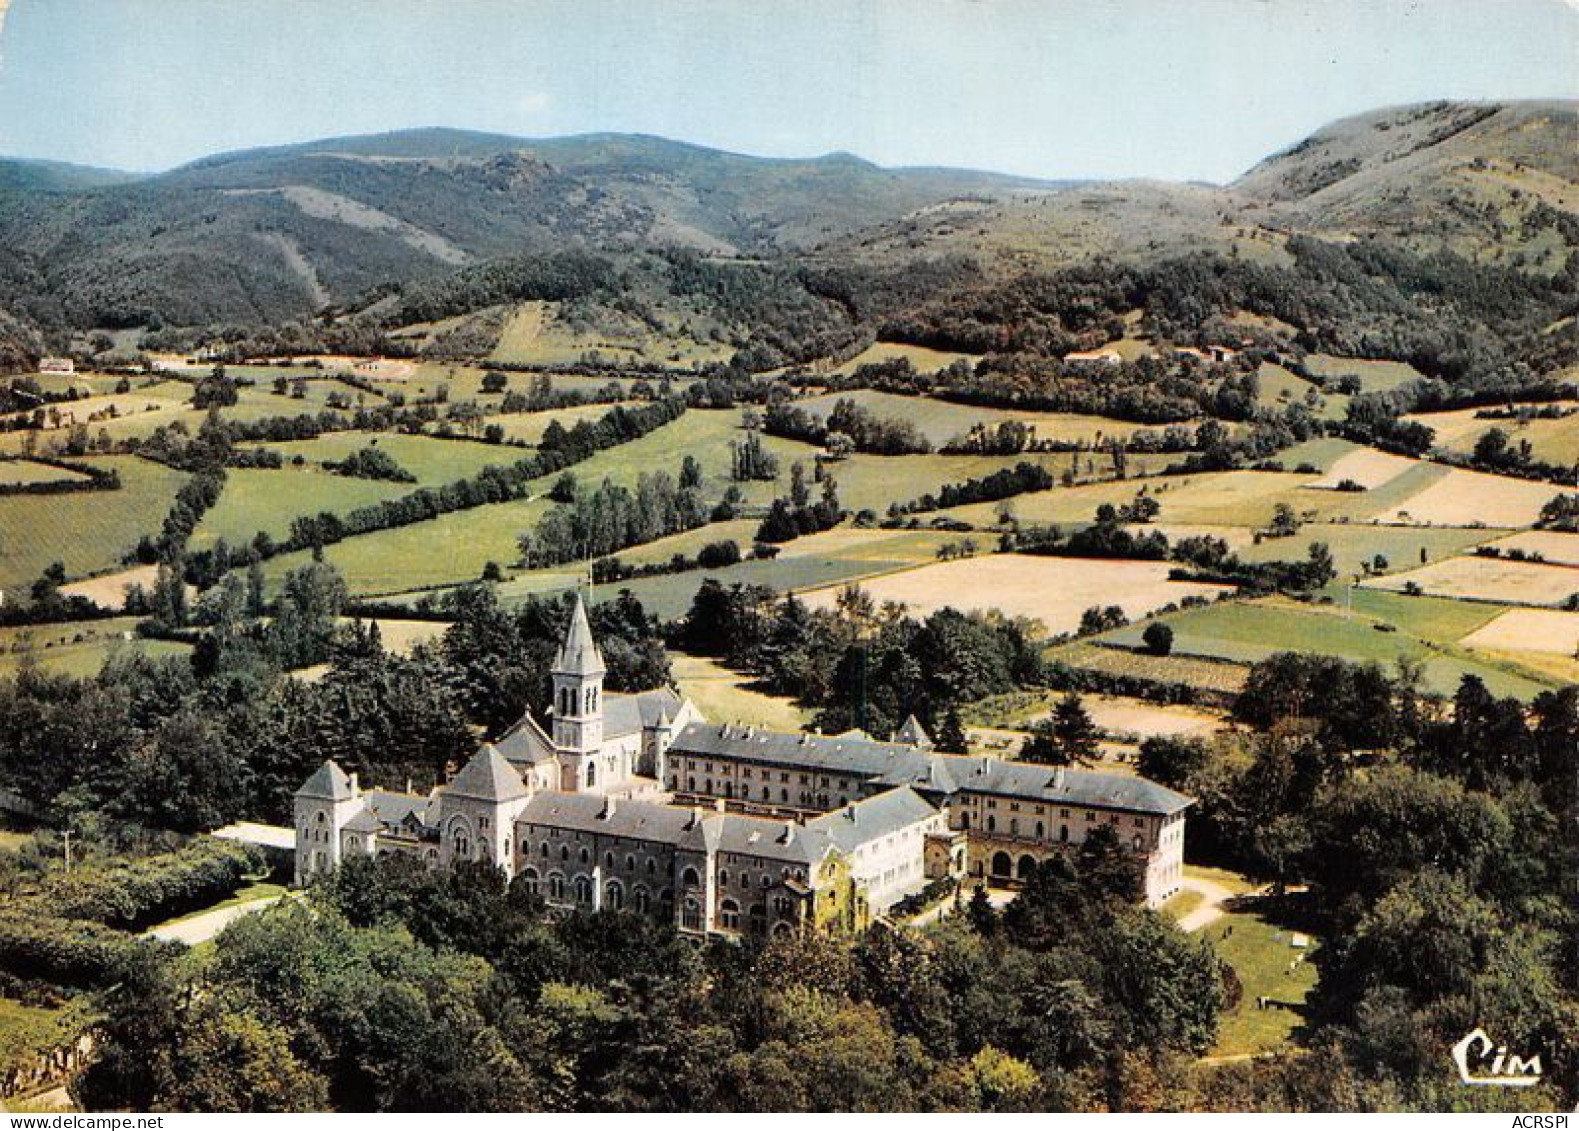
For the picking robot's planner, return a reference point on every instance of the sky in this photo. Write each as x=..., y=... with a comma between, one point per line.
x=1171, y=89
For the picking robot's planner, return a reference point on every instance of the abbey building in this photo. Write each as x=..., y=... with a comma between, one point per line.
x=636, y=802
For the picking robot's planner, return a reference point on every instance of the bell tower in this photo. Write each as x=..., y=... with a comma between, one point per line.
x=578, y=700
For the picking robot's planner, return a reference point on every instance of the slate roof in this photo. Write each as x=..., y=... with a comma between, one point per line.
x=693, y=829
x=1058, y=785
x=876, y=817
x=579, y=654
x=526, y=742
x=912, y=732
x=629, y=714
x=328, y=783
x=488, y=777
x=858, y=755
x=895, y=763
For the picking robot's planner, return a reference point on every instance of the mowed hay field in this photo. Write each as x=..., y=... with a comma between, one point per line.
x=1549, y=544
x=1375, y=376
x=109, y=590
x=1529, y=630
x=89, y=531
x=724, y=696
x=1053, y=591
x=1211, y=675
x=1368, y=467
x=942, y=421
x=1489, y=579
x=1554, y=441
x=1470, y=498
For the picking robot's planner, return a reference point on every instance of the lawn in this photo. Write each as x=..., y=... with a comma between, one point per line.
x=90, y=531
x=724, y=696
x=1269, y=966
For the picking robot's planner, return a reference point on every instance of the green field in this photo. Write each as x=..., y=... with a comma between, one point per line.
x=450, y=549
x=1375, y=376
x=255, y=499
x=1555, y=441
x=90, y=531
x=1207, y=675
x=77, y=648
x=1248, y=631
x=535, y=334
x=528, y=427
x=1353, y=543
x=941, y=421
x=434, y=462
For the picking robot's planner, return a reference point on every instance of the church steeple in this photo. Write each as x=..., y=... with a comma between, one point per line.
x=578, y=698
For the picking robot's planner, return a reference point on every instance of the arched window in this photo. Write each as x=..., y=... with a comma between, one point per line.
x=992, y=823
x=641, y=900
x=652, y=866
x=691, y=915
x=592, y=774
x=545, y=850
x=614, y=896
x=529, y=880
x=1136, y=842
x=586, y=855
x=723, y=879
x=781, y=930
x=630, y=863
x=583, y=890
x=1041, y=830
x=729, y=912
x=964, y=820
x=1026, y=866
x=1063, y=834
x=461, y=844
x=1002, y=865
x=608, y=860
x=690, y=879
x=556, y=886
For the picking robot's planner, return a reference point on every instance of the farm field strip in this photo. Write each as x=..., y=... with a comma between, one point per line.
x=1052, y=591
x=1528, y=630
x=1475, y=578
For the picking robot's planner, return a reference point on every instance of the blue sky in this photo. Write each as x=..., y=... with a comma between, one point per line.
x=1176, y=89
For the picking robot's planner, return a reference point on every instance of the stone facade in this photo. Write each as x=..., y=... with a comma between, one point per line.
x=634, y=802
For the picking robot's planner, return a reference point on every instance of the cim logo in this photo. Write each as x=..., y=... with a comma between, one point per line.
x=1477, y=1054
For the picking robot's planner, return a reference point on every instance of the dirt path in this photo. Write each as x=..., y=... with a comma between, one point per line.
x=1214, y=896
x=202, y=928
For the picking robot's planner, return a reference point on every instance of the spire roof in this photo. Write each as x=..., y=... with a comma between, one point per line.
x=329, y=783
x=579, y=655
x=913, y=732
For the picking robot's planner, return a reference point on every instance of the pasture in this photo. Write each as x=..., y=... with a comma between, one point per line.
x=1367, y=467
x=20, y=472
x=1354, y=544
x=1051, y=591
x=922, y=359
x=255, y=499
x=1375, y=376
x=1554, y=441
x=433, y=461
x=1250, y=631
x=77, y=648
x=88, y=532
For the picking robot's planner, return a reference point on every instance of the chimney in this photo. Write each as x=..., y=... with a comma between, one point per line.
x=696, y=817
x=789, y=833
x=849, y=812
x=356, y=789
x=608, y=808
